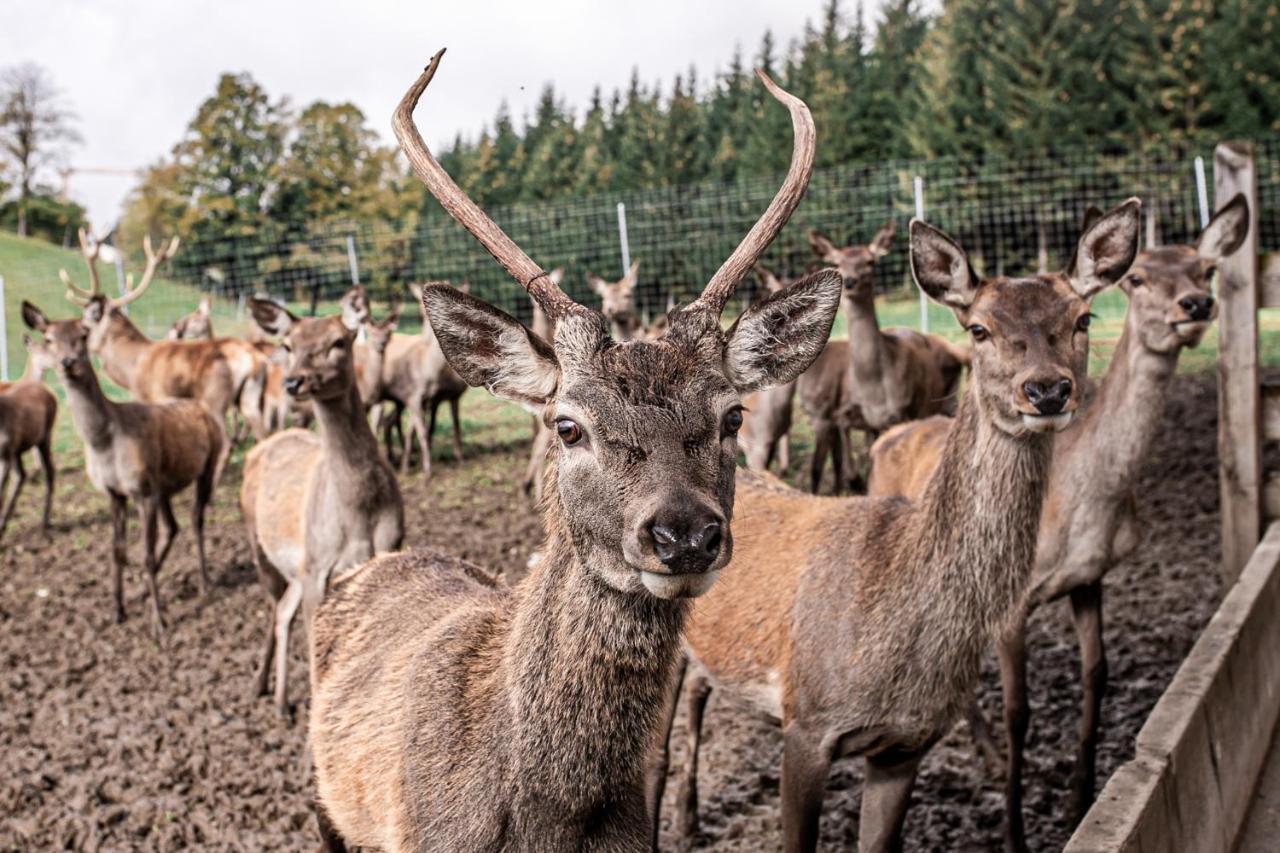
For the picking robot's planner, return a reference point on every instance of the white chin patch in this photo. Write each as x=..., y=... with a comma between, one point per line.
x=678, y=586
x=1047, y=423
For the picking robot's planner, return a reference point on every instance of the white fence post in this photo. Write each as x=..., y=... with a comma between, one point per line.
x=918, y=186
x=4, y=337
x=1202, y=193
x=351, y=260
x=622, y=237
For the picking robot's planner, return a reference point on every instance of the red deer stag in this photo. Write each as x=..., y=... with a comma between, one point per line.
x=144, y=452
x=1088, y=523
x=766, y=417
x=859, y=623
x=27, y=412
x=876, y=378
x=314, y=504
x=450, y=712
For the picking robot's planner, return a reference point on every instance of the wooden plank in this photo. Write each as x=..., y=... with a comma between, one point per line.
x=1239, y=409
x=1271, y=410
x=1270, y=279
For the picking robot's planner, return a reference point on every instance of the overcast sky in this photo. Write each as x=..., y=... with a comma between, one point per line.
x=134, y=71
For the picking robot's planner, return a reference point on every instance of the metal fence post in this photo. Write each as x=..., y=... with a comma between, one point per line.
x=918, y=187
x=351, y=260
x=622, y=238
x=4, y=336
x=1202, y=192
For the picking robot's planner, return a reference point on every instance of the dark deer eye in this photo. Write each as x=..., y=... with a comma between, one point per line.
x=1137, y=280
x=732, y=421
x=569, y=432
x=1082, y=325
x=979, y=333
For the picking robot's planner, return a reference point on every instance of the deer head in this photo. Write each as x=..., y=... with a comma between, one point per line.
x=855, y=262
x=770, y=282
x=379, y=334
x=195, y=326
x=646, y=430
x=1030, y=335
x=64, y=348
x=96, y=307
x=1170, y=288
x=319, y=366
x=617, y=297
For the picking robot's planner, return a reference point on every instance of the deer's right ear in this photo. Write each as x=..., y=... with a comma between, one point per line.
x=270, y=317
x=1107, y=249
x=819, y=242
x=33, y=317
x=941, y=268
x=776, y=339
x=490, y=348
x=596, y=283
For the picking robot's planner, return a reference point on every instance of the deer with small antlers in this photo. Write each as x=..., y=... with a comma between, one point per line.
x=1088, y=523
x=136, y=451
x=766, y=418
x=859, y=623
x=876, y=378
x=491, y=718
x=27, y=412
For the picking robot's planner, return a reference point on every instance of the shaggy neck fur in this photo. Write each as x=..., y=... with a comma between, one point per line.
x=90, y=409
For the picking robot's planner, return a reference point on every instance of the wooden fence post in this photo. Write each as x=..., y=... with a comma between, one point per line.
x=1239, y=439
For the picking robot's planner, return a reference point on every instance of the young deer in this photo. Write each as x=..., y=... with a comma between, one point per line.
x=1088, y=525
x=370, y=357
x=27, y=411
x=876, y=378
x=144, y=452
x=766, y=417
x=314, y=504
x=449, y=712
x=618, y=303
x=860, y=623
x=196, y=326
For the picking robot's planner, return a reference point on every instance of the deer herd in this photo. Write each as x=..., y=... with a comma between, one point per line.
x=451, y=711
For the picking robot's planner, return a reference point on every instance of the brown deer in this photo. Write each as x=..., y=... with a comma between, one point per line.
x=370, y=357
x=858, y=623
x=492, y=718
x=27, y=412
x=196, y=326
x=876, y=378
x=766, y=417
x=144, y=452
x=152, y=370
x=315, y=504
x=618, y=303
x=1088, y=523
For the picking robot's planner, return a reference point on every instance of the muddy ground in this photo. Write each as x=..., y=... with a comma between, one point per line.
x=109, y=742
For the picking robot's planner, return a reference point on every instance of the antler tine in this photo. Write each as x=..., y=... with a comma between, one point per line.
x=503, y=249
x=89, y=248
x=734, y=269
x=154, y=260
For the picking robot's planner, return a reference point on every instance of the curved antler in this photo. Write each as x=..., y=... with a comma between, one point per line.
x=504, y=250
x=734, y=269
x=89, y=247
x=154, y=261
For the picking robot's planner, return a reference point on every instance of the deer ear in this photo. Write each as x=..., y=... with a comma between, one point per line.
x=270, y=317
x=819, y=242
x=94, y=310
x=883, y=241
x=940, y=267
x=490, y=348
x=596, y=283
x=1226, y=231
x=206, y=305
x=776, y=339
x=1107, y=249
x=355, y=307
x=33, y=317
x=631, y=277
x=556, y=276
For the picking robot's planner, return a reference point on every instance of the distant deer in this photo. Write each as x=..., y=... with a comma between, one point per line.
x=876, y=378
x=370, y=357
x=618, y=302
x=860, y=624
x=196, y=326
x=152, y=370
x=766, y=418
x=1088, y=524
x=27, y=412
x=449, y=712
x=144, y=452
x=315, y=504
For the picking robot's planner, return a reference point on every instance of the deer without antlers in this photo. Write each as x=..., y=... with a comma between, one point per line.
x=370, y=357
x=876, y=378
x=314, y=504
x=490, y=718
x=27, y=412
x=766, y=421
x=1088, y=525
x=859, y=624
x=144, y=452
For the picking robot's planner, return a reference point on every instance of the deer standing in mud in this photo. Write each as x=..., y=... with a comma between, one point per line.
x=493, y=718
x=1088, y=523
x=134, y=451
x=859, y=623
x=315, y=504
x=876, y=378
x=27, y=412
x=766, y=419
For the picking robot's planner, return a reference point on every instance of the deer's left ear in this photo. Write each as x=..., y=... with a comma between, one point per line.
x=883, y=241
x=1107, y=249
x=941, y=268
x=1226, y=231
x=776, y=339
x=273, y=319
x=34, y=317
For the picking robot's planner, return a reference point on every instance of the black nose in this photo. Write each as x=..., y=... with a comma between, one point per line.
x=686, y=544
x=1048, y=399
x=1197, y=307
x=293, y=385
x=68, y=362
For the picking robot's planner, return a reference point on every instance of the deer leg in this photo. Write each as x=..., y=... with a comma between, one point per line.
x=1086, y=608
x=275, y=586
x=204, y=490
x=839, y=453
x=983, y=740
x=1012, y=650
x=418, y=427
x=784, y=452
x=457, y=427
x=148, y=507
x=805, y=764
x=286, y=607
x=697, y=691
x=170, y=529
x=20, y=478
x=46, y=462
x=821, y=447
x=660, y=754
x=886, y=791
x=119, y=523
